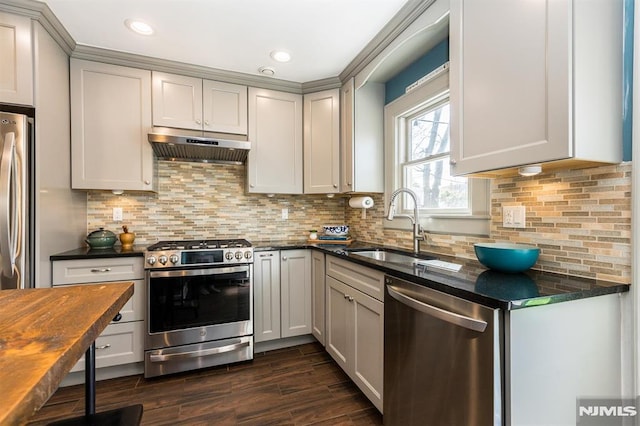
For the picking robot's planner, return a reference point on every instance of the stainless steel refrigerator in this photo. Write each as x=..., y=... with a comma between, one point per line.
x=16, y=218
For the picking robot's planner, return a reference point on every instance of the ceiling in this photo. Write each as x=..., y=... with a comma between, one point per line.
x=322, y=36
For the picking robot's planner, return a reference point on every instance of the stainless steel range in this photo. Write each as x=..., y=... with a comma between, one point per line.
x=199, y=304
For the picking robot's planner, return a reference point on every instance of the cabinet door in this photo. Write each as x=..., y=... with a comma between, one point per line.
x=322, y=142
x=510, y=83
x=177, y=101
x=224, y=107
x=318, y=296
x=118, y=344
x=295, y=297
x=16, y=67
x=266, y=296
x=347, y=97
x=275, y=131
x=339, y=317
x=110, y=120
x=368, y=341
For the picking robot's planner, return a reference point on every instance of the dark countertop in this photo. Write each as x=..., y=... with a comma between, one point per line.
x=473, y=282
x=88, y=253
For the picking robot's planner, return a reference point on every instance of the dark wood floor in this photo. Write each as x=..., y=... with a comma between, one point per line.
x=294, y=386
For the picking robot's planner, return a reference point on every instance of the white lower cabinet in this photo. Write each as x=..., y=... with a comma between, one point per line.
x=122, y=341
x=318, y=295
x=282, y=294
x=266, y=296
x=355, y=327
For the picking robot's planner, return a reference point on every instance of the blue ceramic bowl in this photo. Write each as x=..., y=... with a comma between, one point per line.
x=507, y=257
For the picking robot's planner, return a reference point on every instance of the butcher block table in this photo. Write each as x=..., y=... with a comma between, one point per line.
x=43, y=333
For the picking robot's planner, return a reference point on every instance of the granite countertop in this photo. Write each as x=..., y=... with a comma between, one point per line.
x=88, y=253
x=44, y=333
x=473, y=281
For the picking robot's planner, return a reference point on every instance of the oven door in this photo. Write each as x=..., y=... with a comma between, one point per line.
x=188, y=306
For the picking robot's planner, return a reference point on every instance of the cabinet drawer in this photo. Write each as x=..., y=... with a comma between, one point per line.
x=367, y=280
x=84, y=271
x=118, y=344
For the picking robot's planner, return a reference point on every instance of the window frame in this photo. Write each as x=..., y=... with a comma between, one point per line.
x=476, y=220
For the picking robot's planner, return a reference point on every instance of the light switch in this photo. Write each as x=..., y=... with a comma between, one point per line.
x=514, y=217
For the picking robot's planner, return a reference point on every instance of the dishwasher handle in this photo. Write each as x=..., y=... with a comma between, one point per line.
x=451, y=317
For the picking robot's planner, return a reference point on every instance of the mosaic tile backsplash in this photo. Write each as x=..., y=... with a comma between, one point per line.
x=580, y=219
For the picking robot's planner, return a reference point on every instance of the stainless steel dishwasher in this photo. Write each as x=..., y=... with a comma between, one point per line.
x=442, y=358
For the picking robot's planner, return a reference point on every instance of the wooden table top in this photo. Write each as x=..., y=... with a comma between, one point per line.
x=43, y=333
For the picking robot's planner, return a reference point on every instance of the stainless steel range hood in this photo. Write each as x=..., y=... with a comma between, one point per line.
x=189, y=145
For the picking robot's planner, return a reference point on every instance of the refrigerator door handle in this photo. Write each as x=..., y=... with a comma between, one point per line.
x=7, y=202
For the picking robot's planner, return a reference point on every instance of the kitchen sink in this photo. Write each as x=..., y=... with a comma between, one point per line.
x=405, y=259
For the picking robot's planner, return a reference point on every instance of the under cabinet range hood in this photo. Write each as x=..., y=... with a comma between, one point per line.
x=190, y=145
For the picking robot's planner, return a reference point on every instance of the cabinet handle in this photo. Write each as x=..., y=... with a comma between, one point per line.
x=266, y=255
x=107, y=346
x=198, y=121
x=117, y=318
x=346, y=296
x=101, y=270
x=350, y=299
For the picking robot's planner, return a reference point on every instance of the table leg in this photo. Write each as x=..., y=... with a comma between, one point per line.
x=90, y=380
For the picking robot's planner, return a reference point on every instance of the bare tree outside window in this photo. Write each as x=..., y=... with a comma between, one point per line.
x=426, y=167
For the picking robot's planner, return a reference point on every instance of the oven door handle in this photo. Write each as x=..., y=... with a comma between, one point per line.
x=198, y=354
x=198, y=272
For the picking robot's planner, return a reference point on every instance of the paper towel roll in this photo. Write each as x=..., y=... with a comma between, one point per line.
x=361, y=202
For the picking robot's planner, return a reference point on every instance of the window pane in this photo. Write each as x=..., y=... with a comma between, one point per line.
x=435, y=187
x=429, y=133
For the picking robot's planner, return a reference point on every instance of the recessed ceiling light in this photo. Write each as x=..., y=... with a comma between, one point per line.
x=280, y=56
x=268, y=71
x=138, y=26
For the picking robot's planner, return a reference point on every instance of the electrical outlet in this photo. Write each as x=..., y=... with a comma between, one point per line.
x=514, y=216
x=117, y=214
x=285, y=214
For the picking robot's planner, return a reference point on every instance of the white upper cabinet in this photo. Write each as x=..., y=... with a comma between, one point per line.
x=275, y=131
x=16, y=64
x=110, y=120
x=362, y=144
x=535, y=82
x=322, y=142
x=192, y=103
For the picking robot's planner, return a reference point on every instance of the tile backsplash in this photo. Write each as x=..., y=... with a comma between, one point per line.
x=581, y=219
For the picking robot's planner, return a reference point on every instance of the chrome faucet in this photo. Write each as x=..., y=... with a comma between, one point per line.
x=418, y=231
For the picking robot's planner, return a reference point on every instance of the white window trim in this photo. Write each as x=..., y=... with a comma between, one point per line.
x=479, y=221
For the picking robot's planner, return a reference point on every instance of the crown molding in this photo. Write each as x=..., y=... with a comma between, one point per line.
x=405, y=17
x=41, y=12
x=319, y=85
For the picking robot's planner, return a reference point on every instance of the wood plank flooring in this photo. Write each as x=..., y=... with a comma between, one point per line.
x=301, y=385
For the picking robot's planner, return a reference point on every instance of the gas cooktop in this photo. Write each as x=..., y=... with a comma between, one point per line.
x=190, y=253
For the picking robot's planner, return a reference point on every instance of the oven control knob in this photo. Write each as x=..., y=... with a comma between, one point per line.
x=163, y=259
x=239, y=255
x=174, y=258
x=151, y=260
x=228, y=255
x=248, y=255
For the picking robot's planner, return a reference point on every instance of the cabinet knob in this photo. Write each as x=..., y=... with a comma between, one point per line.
x=147, y=182
x=284, y=257
x=350, y=298
x=346, y=296
x=251, y=186
x=198, y=121
x=335, y=185
x=206, y=122
x=452, y=162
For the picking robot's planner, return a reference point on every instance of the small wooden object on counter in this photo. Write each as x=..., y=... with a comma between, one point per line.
x=43, y=333
x=127, y=238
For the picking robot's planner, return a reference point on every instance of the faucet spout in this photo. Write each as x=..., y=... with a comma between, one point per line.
x=418, y=232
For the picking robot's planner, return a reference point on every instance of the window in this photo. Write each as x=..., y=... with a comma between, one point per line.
x=417, y=157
